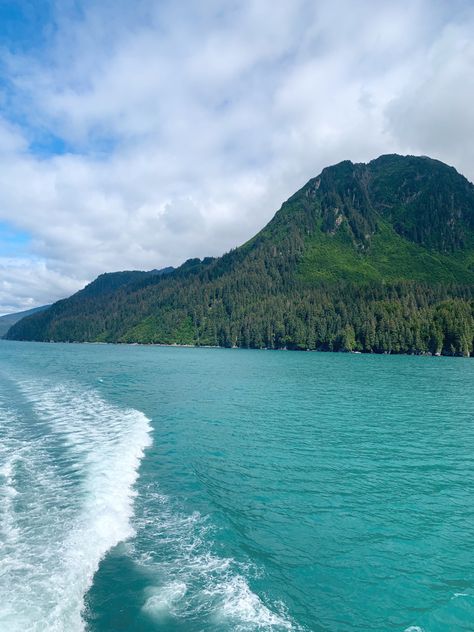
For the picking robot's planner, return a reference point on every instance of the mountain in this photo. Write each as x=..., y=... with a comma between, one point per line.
x=375, y=257
x=104, y=285
x=10, y=319
x=109, y=282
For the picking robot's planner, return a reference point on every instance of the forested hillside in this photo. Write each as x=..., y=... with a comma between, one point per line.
x=8, y=320
x=375, y=257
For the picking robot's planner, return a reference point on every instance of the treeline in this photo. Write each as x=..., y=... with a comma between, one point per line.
x=400, y=319
x=259, y=309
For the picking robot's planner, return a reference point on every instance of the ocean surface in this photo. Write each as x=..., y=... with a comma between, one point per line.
x=195, y=490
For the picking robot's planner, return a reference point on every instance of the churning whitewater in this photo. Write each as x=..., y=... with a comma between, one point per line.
x=68, y=468
x=68, y=464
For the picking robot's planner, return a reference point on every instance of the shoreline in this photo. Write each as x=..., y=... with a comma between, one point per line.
x=189, y=346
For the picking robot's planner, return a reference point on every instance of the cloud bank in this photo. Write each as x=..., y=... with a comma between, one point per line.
x=137, y=135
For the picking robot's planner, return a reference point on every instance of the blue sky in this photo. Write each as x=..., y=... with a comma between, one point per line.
x=136, y=135
x=13, y=242
x=25, y=25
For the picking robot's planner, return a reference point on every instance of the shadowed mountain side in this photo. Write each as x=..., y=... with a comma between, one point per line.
x=8, y=320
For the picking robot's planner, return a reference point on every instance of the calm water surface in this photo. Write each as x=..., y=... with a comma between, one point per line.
x=195, y=490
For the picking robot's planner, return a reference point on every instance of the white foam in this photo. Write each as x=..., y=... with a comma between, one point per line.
x=77, y=506
x=216, y=587
x=8, y=492
x=244, y=608
x=12, y=453
x=162, y=600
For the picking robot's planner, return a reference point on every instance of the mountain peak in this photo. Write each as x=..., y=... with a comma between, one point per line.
x=419, y=198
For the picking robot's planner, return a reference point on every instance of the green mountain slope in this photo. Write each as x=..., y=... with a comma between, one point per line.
x=376, y=257
x=8, y=320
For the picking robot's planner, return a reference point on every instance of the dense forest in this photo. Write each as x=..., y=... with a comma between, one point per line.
x=375, y=257
x=10, y=319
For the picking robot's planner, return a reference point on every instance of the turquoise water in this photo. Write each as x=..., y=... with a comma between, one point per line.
x=186, y=490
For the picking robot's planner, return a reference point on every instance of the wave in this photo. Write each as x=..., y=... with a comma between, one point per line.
x=189, y=582
x=68, y=467
x=69, y=464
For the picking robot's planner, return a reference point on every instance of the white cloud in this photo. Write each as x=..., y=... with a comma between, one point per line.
x=20, y=279
x=434, y=111
x=189, y=123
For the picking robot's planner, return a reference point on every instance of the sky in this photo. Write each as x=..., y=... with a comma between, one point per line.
x=135, y=135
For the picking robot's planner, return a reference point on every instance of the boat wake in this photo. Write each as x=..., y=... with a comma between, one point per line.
x=68, y=466
x=188, y=581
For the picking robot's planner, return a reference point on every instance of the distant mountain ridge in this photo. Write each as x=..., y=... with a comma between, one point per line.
x=375, y=257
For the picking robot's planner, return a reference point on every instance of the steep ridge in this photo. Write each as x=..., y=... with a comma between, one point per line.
x=375, y=257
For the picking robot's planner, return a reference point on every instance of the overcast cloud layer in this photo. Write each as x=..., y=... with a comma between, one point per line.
x=137, y=135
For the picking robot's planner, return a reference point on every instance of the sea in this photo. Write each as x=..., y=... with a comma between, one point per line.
x=147, y=488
